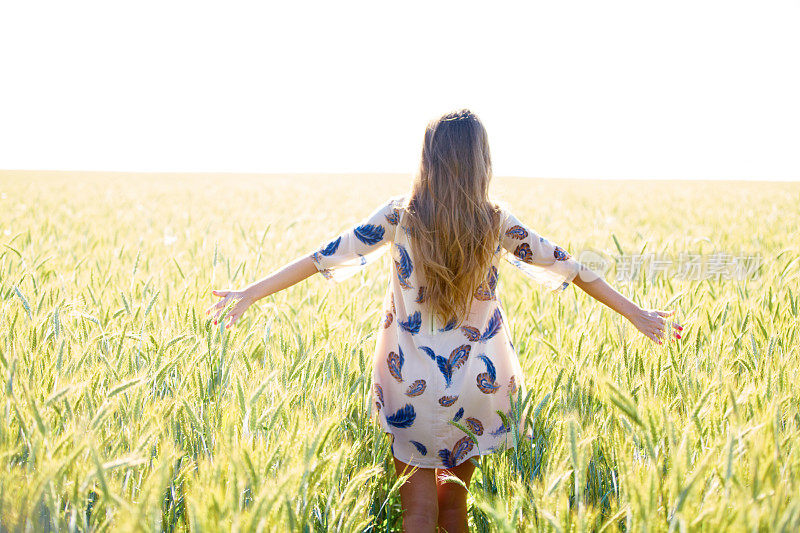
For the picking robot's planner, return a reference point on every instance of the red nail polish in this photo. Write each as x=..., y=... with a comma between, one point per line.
x=677, y=336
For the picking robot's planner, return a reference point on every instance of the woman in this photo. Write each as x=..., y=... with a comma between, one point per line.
x=444, y=367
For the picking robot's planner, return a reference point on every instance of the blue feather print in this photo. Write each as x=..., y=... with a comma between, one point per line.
x=517, y=232
x=490, y=369
x=493, y=326
x=474, y=425
x=447, y=458
x=404, y=284
x=459, y=356
x=445, y=369
x=473, y=334
x=504, y=428
x=394, y=217
x=524, y=252
x=395, y=363
x=379, y=394
x=416, y=388
x=403, y=418
x=330, y=249
x=458, y=415
x=446, y=365
x=369, y=233
x=462, y=447
x=486, y=380
x=485, y=385
x=447, y=401
x=485, y=290
x=560, y=254
x=450, y=325
x=404, y=266
x=420, y=294
x=512, y=386
x=428, y=351
x=412, y=323
x=420, y=447
x=494, y=275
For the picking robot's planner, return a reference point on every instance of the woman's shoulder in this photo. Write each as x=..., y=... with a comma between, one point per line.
x=502, y=205
x=398, y=203
x=400, y=200
x=504, y=212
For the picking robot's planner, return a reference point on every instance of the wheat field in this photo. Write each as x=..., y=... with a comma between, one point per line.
x=124, y=409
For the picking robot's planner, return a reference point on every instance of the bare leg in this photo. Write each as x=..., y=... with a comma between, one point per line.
x=452, y=498
x=418, y=498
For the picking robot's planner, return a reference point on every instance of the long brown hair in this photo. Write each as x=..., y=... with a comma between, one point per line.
x=454, y=226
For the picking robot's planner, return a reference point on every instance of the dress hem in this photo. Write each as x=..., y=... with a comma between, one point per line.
x=439, y=465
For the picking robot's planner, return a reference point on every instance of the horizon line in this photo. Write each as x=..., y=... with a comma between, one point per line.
x=386, y=173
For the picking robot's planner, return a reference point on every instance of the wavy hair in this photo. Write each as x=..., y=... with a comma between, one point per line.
x=454, y=226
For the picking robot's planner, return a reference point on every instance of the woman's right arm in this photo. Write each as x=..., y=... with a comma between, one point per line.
x=651, y=322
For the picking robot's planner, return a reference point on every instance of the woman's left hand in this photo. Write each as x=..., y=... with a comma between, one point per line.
x=241, y=301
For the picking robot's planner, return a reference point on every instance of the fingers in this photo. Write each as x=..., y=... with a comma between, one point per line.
x=218, y=305
x=660, y=332
x=226, y=296
x=229, y=317
x=679, y=328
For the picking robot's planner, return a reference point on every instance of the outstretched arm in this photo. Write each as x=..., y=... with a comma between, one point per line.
x=336, y=260
x=651, y=322
x=283, y=278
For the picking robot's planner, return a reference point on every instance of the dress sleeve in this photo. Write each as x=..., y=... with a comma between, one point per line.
x=349, y=252
x=537, y=257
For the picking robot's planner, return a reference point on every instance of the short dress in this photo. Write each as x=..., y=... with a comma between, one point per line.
x=436, y=388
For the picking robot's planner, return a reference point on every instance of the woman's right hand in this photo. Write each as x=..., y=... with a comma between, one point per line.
x=241, y=299
x=653, y=324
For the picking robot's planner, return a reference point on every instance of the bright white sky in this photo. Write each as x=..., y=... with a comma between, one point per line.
x=591, y=89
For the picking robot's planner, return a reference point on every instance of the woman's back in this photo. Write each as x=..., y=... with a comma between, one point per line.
x=426, y=373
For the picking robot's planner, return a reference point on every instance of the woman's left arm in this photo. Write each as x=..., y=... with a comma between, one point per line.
x=651, y=322
x=283, y=278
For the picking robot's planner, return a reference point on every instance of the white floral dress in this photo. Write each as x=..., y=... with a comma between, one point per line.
x=430, y=378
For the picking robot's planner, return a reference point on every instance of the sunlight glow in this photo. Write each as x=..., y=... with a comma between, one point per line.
x=613, y=89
